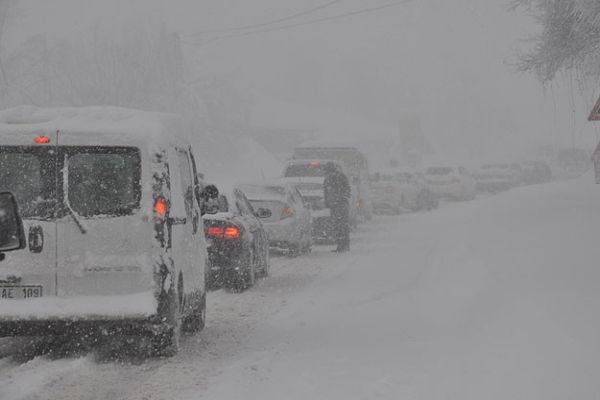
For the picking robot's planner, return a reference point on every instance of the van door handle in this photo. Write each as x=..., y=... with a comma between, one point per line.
x=36, y=239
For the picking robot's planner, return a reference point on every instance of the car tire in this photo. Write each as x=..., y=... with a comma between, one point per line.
x=294, y=250
x=248, y=278
x=196, y=321
x=211, y=282
x=166, y=342
x=266, y=264
x=308, y=246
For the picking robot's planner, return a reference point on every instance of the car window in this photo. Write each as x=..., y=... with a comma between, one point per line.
x=29, y=173
x=103, y=181
x=298, y=196
x=242, y=204
x=439, y=171
x=313, y=169
x=187, y=183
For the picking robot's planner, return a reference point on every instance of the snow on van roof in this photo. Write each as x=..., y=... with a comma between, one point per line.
x=126, y=124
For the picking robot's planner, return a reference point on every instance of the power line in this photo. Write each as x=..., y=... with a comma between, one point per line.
x=272, y=22
x=309, y=22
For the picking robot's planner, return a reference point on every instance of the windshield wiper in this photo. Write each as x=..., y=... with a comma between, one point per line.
x=76, y=218
x=74, y=215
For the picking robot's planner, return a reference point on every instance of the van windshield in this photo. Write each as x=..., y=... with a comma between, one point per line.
x=29, y=173
x=103, y=181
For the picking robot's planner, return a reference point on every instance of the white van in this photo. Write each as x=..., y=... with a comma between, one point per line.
x=115, y=239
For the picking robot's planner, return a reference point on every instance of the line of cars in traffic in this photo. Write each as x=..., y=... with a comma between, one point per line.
x=287, y=213
x=398, y=191
x=105, y=232
x=114, y=239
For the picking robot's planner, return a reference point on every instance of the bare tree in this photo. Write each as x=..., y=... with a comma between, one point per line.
x=570, y=37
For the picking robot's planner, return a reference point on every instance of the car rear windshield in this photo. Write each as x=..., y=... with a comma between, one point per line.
x=259, y=192
x=103, y=181
x=29, y=173
x=439, y=171
x=299, y=170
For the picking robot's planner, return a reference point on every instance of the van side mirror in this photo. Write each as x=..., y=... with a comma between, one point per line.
x=263, y=213
x=12, y=236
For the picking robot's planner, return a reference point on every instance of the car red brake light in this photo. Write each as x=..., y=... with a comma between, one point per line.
x=287, y=212
x=226, y=232
x=314, y=163
x=215, y=231
x=231, y=232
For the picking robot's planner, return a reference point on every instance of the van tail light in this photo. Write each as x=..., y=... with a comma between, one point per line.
x=287, y=212
x=160, y=208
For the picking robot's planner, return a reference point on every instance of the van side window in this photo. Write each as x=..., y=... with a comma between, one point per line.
x=187, y=183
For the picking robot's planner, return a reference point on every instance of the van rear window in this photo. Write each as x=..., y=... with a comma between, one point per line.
x=104, y=181
x=29, y=173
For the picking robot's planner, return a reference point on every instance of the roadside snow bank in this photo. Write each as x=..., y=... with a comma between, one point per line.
x=490, y=299
x=30, y=379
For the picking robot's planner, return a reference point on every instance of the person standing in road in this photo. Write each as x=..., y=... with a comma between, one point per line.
x=337, y=195
x=209, y=200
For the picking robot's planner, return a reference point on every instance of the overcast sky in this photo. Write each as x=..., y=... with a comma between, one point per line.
x=449, y=61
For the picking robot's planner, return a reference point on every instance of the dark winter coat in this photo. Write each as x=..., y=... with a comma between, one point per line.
x=336, y=190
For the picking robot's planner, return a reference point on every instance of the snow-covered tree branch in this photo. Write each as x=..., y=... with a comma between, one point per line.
x=570, y=37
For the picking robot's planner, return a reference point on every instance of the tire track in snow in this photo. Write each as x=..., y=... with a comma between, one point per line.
x=232, y=318
x=31, y=379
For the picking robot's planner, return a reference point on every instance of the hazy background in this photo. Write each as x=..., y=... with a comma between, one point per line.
x=448, y=63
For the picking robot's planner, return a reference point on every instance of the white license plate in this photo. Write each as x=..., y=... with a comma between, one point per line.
x=20, y=292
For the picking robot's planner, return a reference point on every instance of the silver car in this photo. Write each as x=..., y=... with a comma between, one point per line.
x=288, y=222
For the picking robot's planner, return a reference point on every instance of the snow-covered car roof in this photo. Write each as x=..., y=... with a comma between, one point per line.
x=92, y=125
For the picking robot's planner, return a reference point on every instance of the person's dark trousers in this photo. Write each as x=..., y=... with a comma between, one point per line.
x=341, y=226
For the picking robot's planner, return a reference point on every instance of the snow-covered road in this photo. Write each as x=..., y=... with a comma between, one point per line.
x=492, y=299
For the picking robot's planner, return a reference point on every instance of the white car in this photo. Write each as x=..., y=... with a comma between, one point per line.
x=496, y=178
x=386, y=193
x=311, y=190
x=401, y=191
x=451, y=183
x=115, y=240
x=289, y=222
x=316, y=169
x=416, y=192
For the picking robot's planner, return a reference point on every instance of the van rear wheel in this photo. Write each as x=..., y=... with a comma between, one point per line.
x=165, y=342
